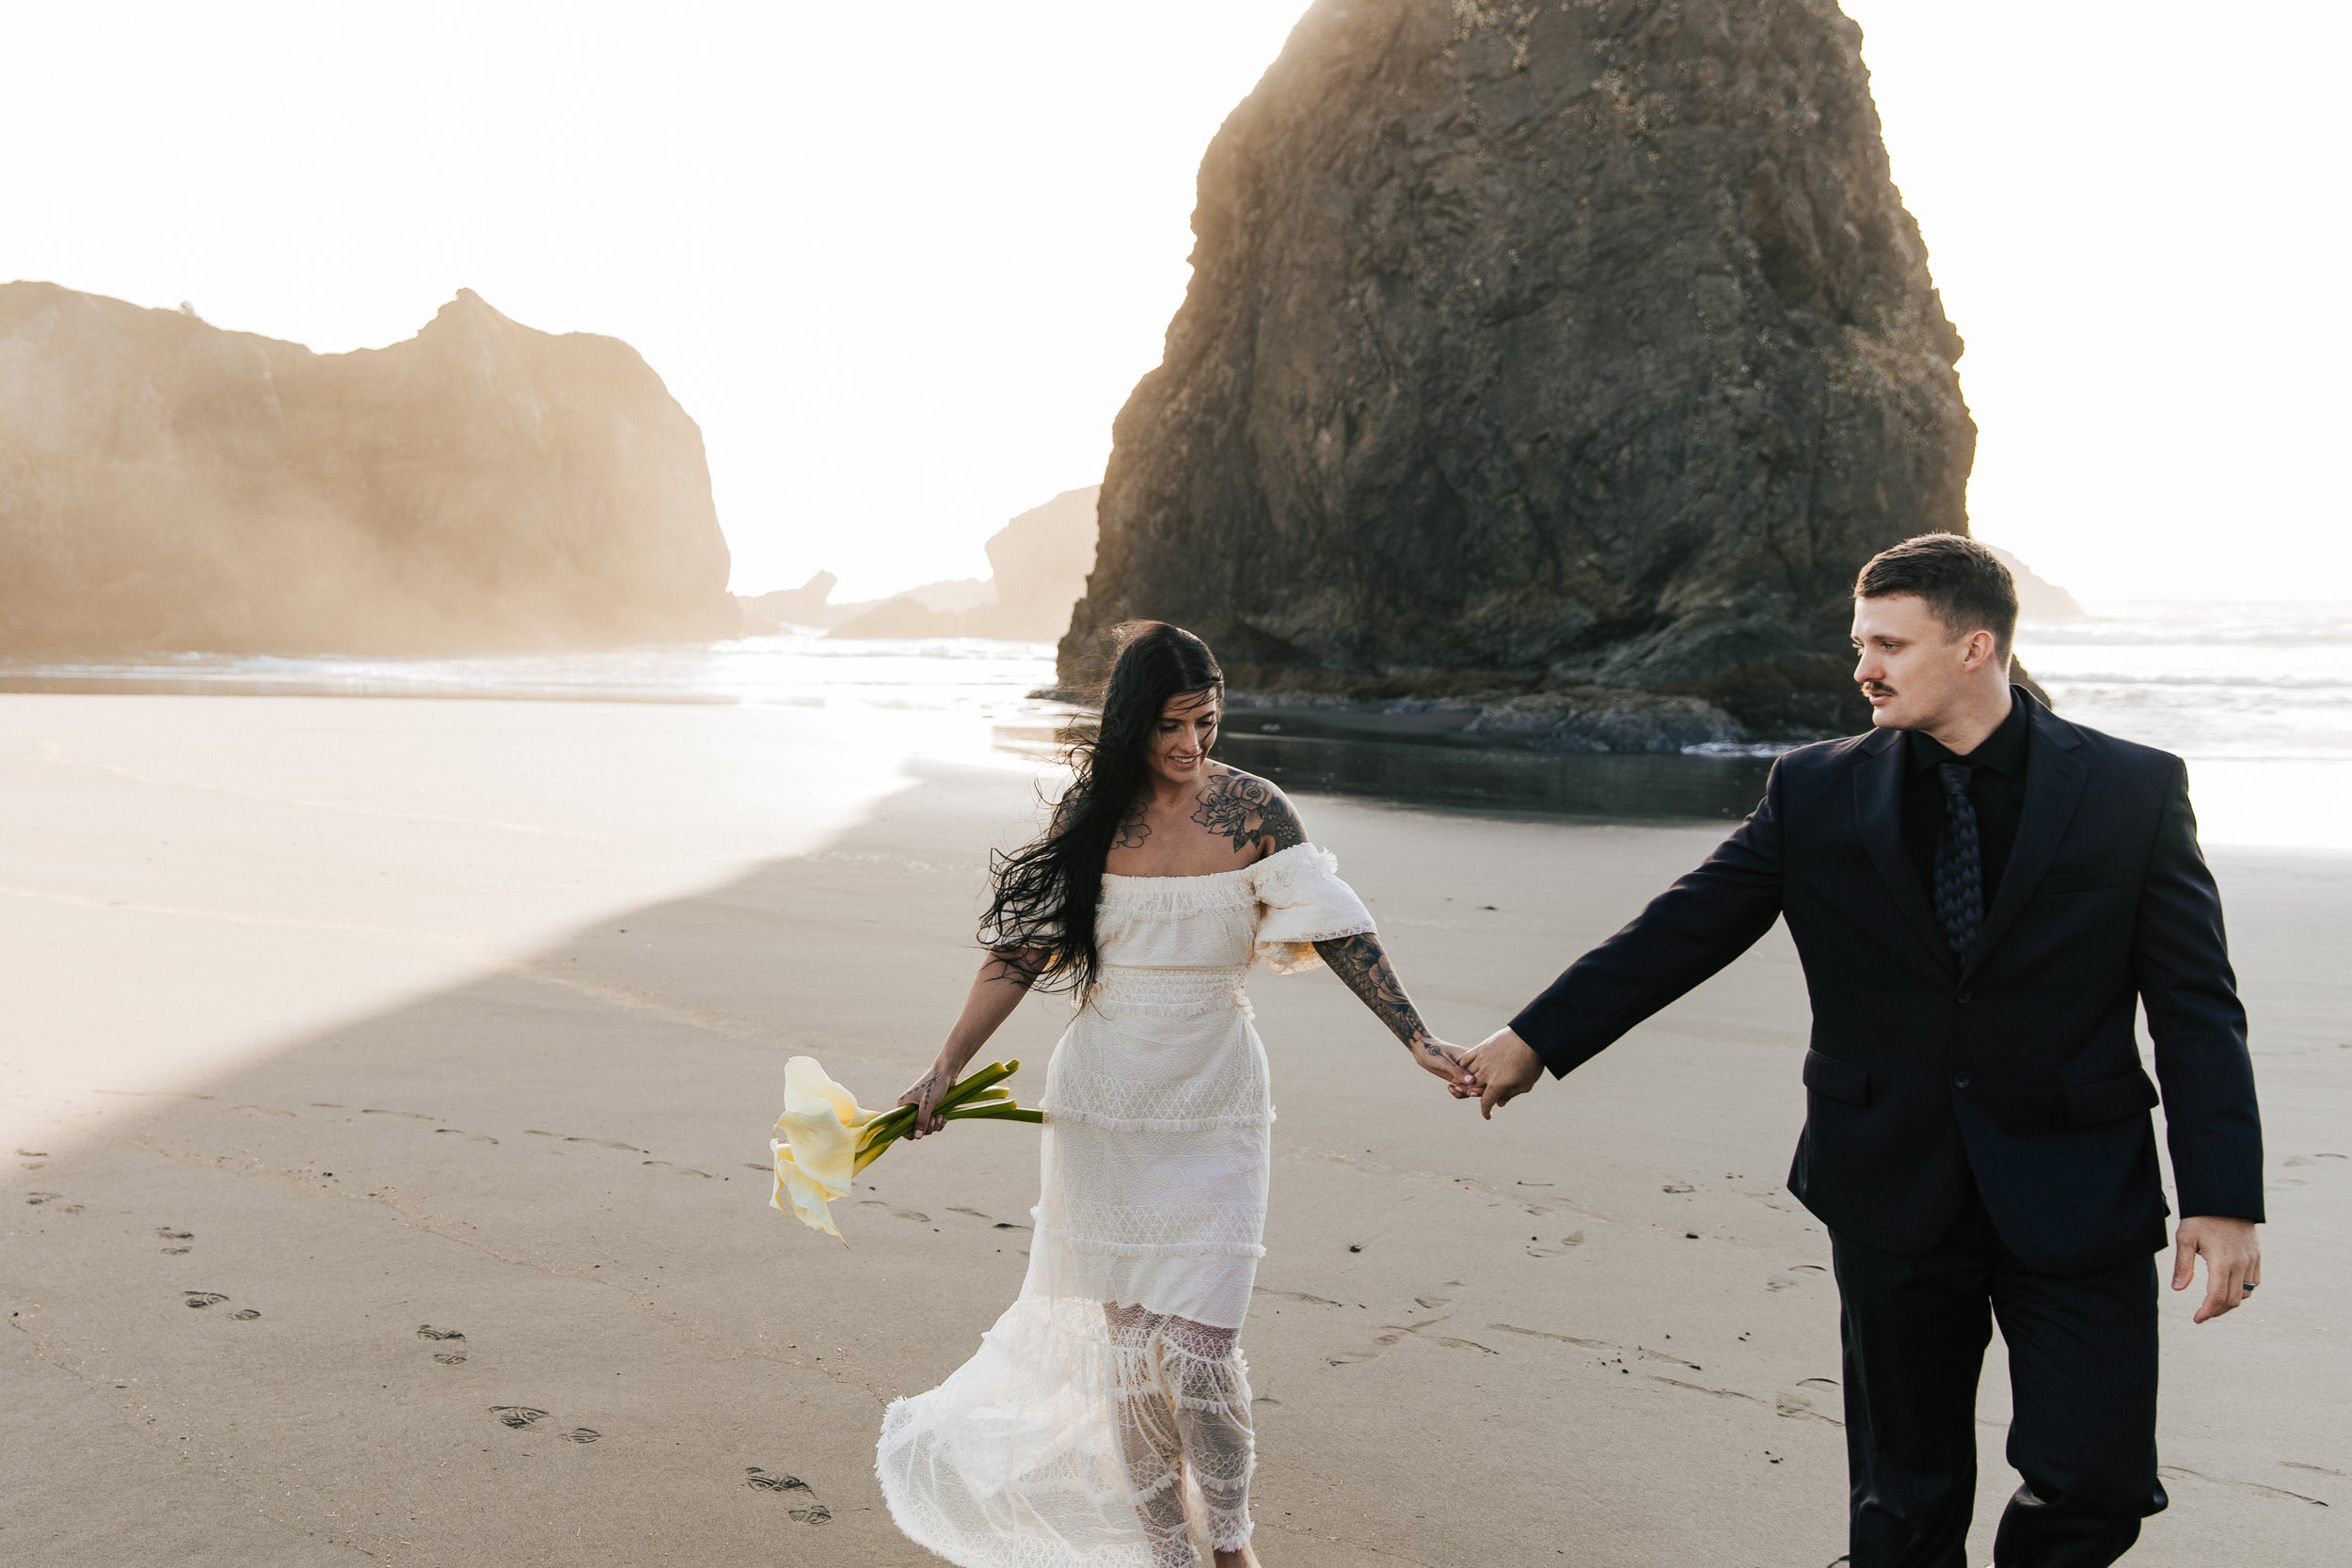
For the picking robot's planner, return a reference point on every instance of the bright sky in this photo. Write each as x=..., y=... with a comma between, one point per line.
x=904, y=263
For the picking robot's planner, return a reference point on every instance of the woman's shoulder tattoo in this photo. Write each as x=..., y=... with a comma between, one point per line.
x=1247, y=809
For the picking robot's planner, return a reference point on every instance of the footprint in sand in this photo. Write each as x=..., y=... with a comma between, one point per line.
x=682, y=1170
x=262, y=1110
x=517, y=1415
x=426, y=1331
x=169, y=1234
x=1303, y=1297
x=1572, y=1240
x=245, y=1314
x=469, y=1138
x=38, y=1198
x=806, y=1509
x=450, y=1357
x=203, y=1298
x=582, y=1435
x=1396, y=1334
x=411, y=1115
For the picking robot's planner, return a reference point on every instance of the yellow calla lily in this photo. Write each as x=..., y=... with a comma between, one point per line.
x=822, y=1124
x=829, y=1137
x=808, y=1199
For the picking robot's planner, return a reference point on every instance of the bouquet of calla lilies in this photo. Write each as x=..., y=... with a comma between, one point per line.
x=829, y=1137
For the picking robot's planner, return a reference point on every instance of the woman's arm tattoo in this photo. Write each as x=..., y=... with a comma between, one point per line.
x=1360, y=961
x=1246, y=809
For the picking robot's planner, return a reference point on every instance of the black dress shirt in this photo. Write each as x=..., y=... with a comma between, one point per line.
x=1996, y=786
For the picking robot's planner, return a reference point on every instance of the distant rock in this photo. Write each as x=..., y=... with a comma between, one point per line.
x=165, y=484
x=1578, y=352
x=2038, y=598
x=1040, y=560
x=954, y=595
x=805, y=606
x=903, y=616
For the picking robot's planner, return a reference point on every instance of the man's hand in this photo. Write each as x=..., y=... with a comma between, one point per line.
x=2233, y=1260
x=1506, y=1067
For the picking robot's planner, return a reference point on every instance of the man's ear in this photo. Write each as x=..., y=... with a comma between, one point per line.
x=1983, y=650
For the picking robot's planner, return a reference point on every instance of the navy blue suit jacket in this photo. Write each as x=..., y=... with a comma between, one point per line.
x=2018, y=1071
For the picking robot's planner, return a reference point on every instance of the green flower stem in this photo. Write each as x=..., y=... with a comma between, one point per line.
x=999, y=1113
x=987, y=1077
x=976, y=1097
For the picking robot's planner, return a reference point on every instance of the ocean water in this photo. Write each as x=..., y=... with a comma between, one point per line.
x=2257, y=697
x=792, y=669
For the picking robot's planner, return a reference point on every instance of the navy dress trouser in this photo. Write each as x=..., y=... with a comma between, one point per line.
x=2082, y=1361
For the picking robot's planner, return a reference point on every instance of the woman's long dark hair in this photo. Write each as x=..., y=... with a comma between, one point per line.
x=1042, y=919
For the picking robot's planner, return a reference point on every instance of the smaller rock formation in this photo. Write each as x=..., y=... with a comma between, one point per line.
x=1040, y=561
x=2038, y=598
x=167, y=485
x=803, y=606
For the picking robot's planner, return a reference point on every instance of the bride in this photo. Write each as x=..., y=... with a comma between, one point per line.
x=1104, y=1420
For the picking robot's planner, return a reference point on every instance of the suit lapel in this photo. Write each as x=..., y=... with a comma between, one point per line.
x=1878, y=800
x=2054, y=772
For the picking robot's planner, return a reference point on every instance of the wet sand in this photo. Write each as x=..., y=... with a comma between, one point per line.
x=386, y=1088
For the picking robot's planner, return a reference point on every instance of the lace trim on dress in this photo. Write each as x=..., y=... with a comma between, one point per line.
x=1290, y=955
x=1156, y=1124
x=1305, y=903
x=1149, y=1249
x=1174, y=1459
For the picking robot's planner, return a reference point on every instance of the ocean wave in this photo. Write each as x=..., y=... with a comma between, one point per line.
x=2192, y=679
x=2202, y=626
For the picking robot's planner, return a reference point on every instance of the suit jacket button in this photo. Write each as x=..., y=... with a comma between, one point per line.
x=1959, y=1080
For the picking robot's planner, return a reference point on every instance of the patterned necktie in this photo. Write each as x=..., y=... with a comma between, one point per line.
x=1958, y=863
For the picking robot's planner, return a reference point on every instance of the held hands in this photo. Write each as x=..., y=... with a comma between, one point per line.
x=2234, y=1262
x=1503, y=1067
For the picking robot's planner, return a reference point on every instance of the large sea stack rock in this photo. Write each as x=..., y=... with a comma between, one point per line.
x=165, y=484
x=1576, y=353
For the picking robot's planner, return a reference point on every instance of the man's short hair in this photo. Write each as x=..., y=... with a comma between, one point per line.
x=1964, y=583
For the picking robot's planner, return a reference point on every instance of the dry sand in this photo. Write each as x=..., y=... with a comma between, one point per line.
x=393, y=1022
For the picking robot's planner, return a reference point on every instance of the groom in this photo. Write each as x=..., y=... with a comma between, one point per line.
x=1981, y=894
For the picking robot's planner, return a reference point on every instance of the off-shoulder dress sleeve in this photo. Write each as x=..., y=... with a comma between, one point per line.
x=1302, y=901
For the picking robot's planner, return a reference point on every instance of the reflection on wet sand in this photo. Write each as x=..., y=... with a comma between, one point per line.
x=1624, y=786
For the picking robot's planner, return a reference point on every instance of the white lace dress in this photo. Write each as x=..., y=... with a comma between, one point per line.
x=1104, y=1420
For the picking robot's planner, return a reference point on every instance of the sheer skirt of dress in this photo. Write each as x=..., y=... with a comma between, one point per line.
x=1105, y=1419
